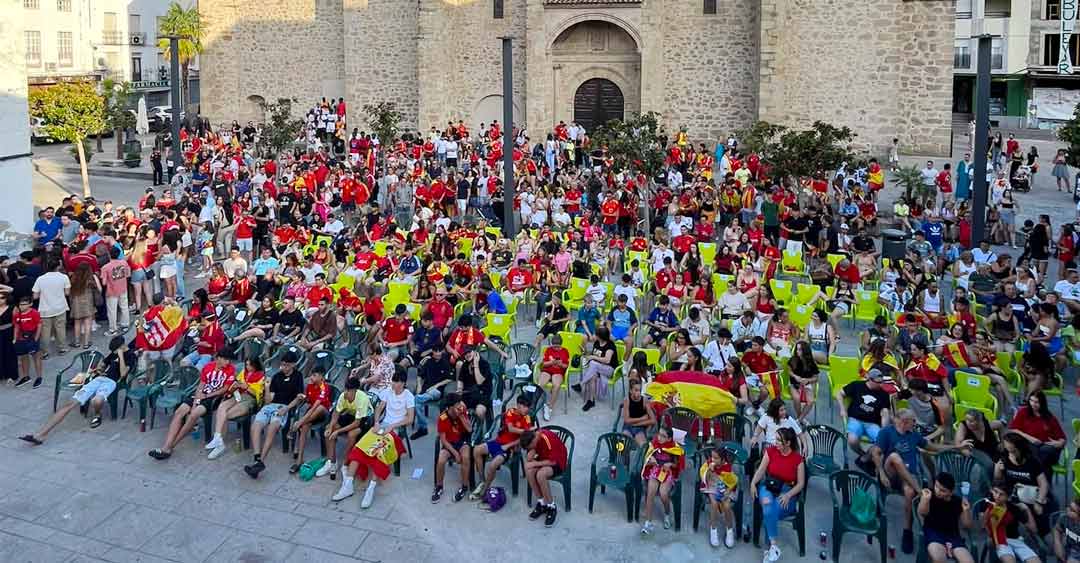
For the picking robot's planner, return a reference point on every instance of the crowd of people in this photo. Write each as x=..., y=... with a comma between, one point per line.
x=349, y=287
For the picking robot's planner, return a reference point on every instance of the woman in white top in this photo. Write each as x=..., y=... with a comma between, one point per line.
x=964, y=267
x=776, y=417
x=732, y=233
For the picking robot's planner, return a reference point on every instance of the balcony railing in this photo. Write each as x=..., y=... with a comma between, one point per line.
x=998, y=13
x=113, y=37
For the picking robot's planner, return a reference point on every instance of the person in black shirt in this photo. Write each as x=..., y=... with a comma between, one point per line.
x=267, y=286
x=474, y=382
x=863, y=243
x=795, y=228
x=943, y=514
x=263, y=321
x=424, y=340
x=285, y=393
x=868, y=412
x=554, y=320
x=434, y=373
x=290, y=323
x=103, y=381
x=1022, y=472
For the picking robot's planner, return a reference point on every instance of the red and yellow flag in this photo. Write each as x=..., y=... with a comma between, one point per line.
x=379, y=452
x=956, y=355
x=162, y=329
x=695, y=390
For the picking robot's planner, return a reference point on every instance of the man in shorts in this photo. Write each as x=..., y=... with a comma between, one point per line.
x=455, y=428
x=546, y=460
x=116, y=367
x=868, y=412
x=516, y=420
x=944, y=514
x=214, y=381
x=351, y=418
x=285, y=393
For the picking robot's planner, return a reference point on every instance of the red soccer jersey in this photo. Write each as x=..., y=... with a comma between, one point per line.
x=365, y=260
x=396, y=331
x=517, y=279
x=27, y=321
x=556, y=353
x=550, y=448
x=214, y=378
x=318, y=394
x=451, y=428
x=512, y=419
x=318, y=293
x=610, y=211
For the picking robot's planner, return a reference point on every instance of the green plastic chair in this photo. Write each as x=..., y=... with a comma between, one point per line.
x=83, y=362
x=842, y=487
x=563, y=479
x=699, y=498
x=142, y=386
x=251, y=348
x=166, y=398
x=728, y=430
x=964, y=468
x=825, y=441
x=797, y=520
x=613, y=469
x=348, y=344
x=682, y=418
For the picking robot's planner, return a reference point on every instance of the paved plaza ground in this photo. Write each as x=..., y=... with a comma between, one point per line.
x=94, y=495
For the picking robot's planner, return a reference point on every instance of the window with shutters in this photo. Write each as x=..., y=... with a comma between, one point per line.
x=33, y=48
x=710, y=7
x=497, y=9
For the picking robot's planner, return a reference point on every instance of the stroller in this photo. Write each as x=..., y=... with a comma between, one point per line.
x=1021, y=181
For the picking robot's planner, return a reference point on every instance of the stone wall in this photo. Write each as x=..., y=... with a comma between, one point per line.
x=704, y=70
x=460, y=60
x=381, y=56
x=273, y=49
x=881, y=67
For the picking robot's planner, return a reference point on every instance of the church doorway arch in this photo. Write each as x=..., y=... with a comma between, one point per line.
x=597, y=101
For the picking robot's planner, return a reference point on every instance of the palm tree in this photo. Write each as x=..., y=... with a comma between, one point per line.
x=186, y=24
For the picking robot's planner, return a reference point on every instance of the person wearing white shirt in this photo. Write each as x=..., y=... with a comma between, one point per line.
x=1069, y=289
x=718, y=351
x=674, y=178
x=745, y=328
x=983, y=254
x=51, y=290
x=677, y=224
x=333, y=225
x=626, y=288
x=658, y=255
x=928, y=176
x=733, y=303
x=597, y=291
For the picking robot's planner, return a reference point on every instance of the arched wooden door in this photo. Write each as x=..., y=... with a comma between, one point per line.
x=596, y=102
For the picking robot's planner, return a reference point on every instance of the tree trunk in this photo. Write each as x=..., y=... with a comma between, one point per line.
x=82, y=167
x=186, y=94
x=99, y=149
x=119, y=144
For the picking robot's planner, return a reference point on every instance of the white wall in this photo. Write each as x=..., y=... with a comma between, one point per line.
x=15, y=192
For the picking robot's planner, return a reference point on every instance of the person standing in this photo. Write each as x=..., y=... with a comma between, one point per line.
x=964, y=171
x=51, y=291
x=155, y=163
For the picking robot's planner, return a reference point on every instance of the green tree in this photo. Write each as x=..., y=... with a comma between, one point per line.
x=1070, y=135
x=72, y=111
x=187, y=25
x=635, y=144
x=806, y=153
x=909, y=178
x=760, y=138
x=117, y=115
x=383, y=118
x=282, y=129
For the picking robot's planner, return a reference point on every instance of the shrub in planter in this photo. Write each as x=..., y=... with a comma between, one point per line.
x=132, y=159
x=87, y=151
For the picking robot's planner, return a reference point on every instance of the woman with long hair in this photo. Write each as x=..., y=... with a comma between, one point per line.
x=1023, y=476
x=981, y=434
x=803, y=378
x=777, y=484
x=1040, y=428
x=84, y=284
x=140, y=259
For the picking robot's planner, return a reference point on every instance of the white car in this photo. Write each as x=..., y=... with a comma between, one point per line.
x=37, y=132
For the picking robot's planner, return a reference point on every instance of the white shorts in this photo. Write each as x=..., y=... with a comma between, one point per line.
x=245, y=244
x=462, y=205
x=96, y=387
x=1017, y=549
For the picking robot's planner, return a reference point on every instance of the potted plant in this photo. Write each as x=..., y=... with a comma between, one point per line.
x=132, y=158
x=86, y=151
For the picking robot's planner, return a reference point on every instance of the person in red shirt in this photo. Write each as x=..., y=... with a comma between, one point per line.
x=441, y=310
x=553, y=365
x=242, y=292
x=762, y=365
x=317, y=396
x=1037, y=425
x=516, y=421
x=318, y=292
x=210, y=341
x=468, y=336
x=847, y=271
x=394, y=336
x=215, y=380
x=682, y=243
x=27, y=327
x=546, y=460
x=454, y=431
x=519, y=279
x=609, y=210
x=245, y=231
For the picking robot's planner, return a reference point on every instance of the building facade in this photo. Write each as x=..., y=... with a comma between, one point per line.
x=881, y=67
x=1025, y=89
x=15, y=159
x=67, y=40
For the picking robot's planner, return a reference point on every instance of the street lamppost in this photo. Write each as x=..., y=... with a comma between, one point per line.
x=509, y=229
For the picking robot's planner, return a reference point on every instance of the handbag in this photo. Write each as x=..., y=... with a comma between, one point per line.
x=863, y=508
x=774, y=485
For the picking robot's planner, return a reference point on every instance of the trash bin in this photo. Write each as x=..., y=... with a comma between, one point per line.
x=893, y=244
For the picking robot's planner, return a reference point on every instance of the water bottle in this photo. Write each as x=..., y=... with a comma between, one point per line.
x=195, y=433
x=614, y=471
x=238, y=446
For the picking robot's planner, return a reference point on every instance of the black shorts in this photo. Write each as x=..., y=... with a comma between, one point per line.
x=210, y=404
x=550, y=329
x=344, y=419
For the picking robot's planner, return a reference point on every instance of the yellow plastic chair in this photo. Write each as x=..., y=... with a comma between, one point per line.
x=652, y=357
x=414, y=310
x=842, y=370
x=575, y=294
x=574, y=342
x=867, y=307
x=465, y=245
x=708, y=253
x=381, y=247
x=834, y=259
x=800, y=316
x=804, y=292
x=618, y=376
x=499, y=325
x=398, y=291
x=973, y=391
x=791, y=262
x=781, y=290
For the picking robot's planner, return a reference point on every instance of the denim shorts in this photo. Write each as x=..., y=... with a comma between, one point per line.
x=268, y=415
x=96, y=387
x=859, y=429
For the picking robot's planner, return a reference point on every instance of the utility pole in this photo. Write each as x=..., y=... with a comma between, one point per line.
x=509, y=229
x=982, y=133
x=175, y=150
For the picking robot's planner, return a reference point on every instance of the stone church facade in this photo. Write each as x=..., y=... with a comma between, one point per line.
x=881, y=67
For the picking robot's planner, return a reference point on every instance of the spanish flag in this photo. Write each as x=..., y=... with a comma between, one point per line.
x=876, y=177
x=377, y=452
x=672, y=449
x=162, y=329
x=956, y=355
x=695, y=390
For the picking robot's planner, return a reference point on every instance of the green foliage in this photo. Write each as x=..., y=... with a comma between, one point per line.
x=798, y=153
x=909, y=178
x=636, y=143
x=187, y=25
x=282, y=129
x=759, y=137
x=72, y=110
x=1070, y=135
x=383, y=118
x=116, y=95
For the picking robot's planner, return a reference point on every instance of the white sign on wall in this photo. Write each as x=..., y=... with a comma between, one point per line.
x=1068, y=22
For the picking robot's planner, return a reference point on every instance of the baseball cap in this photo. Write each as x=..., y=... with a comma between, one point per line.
x=874, y=374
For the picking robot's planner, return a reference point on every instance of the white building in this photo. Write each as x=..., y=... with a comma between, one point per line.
x=15, y=164
x=96, y=39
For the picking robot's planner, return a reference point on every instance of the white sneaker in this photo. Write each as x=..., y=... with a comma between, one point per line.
x=217, y=442
x=344, y=492
x=647, y=527
x=216, y=452
x=771, y=555
x=326, y=468
x=547, y=413
x=369, y=496
x=729, y=538
x=667, y=521
x=714, y=537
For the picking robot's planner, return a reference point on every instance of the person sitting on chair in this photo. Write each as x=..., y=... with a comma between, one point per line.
x=455, y=429
x=546, y=460
x=96, y=391
x=216, y=379
x=349, y=419
x=516, y=421
x=285, y=392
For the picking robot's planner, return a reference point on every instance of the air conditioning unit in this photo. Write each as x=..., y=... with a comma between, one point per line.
x=50, y=67
x=137, y=39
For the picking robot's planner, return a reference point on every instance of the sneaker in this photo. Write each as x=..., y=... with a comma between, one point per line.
x=538, y=510
x=547, y=413
x=37, y=383
x=254, y=469
x=436, y=495
x=344, y=492
x=95, y=422
x=216, y=442
x=22, y=381
x=460, y=494
x=478, y=492
x=552, y=514
x=327, y=467
x=588, y=405
x=216, y=452
x=714, y=537
x=729, y=538
x=667, y=521
x=771, y=555
x=576, y=387
x=369, y=496
x=907, y=542
x=294, y=468
x=420, y=433
x=647, y=527
x=111, y=332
